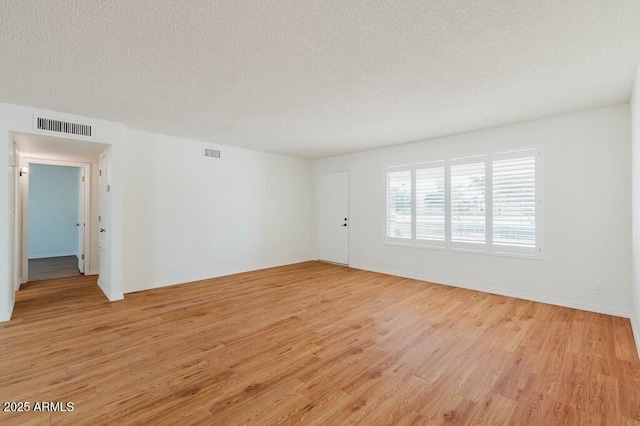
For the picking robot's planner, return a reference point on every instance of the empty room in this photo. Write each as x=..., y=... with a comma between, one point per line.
x=320, y=212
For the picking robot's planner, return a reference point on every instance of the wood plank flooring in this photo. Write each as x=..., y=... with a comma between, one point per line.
x=53, y=267
x=310, y=344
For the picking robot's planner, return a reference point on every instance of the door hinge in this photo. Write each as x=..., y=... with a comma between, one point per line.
x=83, y=178
x=99, y=218
x=83, y=257
x=100, y=172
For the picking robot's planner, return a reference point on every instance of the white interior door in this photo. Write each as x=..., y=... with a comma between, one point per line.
x=333, y=217
x=103, y=221
x=80, y=224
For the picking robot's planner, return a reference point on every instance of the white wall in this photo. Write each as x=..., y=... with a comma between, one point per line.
x=183, y=217
x=54, y=201
x=7, y=222
x=635, y=143
x=189, y=218
x=587, y=207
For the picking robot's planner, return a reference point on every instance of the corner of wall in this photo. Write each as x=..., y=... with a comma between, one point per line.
x=112, y=296
x=634, y=104
x=6, y=315
x=635, y=327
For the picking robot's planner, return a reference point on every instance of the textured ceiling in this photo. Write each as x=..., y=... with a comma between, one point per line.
x=317, y=78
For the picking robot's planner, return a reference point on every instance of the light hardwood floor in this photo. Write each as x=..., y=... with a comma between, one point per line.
x=313, y=344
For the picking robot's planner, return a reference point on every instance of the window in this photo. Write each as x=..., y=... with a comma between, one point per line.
x=490, y=203
x=399, y=217
x=468, y=215
x=430, y=207
x=514, y=202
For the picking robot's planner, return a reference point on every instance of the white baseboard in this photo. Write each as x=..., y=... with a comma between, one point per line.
x=103, y=288
x=636, y=333
x=111, y=297
x=185, y=279
x=493, y=290
x=93, y=272
x=46, y=255
x=170, y=282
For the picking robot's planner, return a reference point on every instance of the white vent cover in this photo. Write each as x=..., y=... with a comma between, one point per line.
x=212, y=153
x=63, y=126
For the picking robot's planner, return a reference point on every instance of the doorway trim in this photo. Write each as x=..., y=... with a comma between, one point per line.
x=86, y=169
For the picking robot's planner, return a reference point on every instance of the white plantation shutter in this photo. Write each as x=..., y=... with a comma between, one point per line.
x=430, y=204
x=489, y=203
x=399, y=206
x=514, y=201
x=468, y=215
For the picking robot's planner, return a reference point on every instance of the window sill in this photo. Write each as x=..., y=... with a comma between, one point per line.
x=464, y=250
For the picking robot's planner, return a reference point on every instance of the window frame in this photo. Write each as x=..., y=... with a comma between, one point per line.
x=392, y=169
x=488, y=247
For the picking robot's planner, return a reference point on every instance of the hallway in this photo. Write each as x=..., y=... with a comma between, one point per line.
x=53, y=267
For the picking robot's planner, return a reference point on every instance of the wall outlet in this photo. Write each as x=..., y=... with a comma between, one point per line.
x=598, y=289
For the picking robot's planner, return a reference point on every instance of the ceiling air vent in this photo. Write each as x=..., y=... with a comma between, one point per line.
x=63, y=127
x=211, y=153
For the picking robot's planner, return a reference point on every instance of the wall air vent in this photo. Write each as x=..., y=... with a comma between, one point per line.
x=211, y=153
x=63, y=127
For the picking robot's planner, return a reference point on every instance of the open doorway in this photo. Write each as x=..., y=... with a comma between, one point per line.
x=56, y=218
x=34, y=133
x=59, y=190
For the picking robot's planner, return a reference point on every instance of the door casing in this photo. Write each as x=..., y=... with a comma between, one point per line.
x=104, y=221
x=86, y=205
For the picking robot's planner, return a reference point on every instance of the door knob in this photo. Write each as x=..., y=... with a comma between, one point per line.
x=344, y=224
x=77, y=224
x=102, y=230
